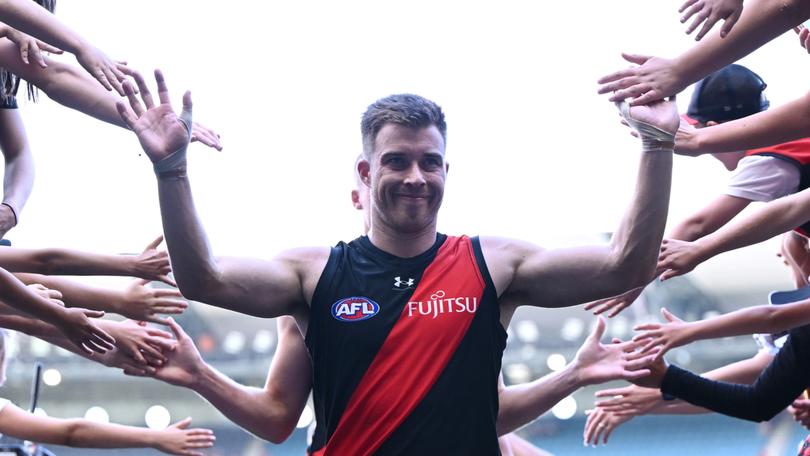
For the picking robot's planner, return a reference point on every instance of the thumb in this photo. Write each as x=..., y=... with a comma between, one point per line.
x=185, y=115
x=153, y=245
x=176, y=329
x=598, y=330
x=183, y=424
x=636, y=58
x=93, y=313
x=669, y=315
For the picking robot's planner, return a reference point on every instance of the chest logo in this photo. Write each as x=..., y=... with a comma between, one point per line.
x=402, y=285
x=354, y=309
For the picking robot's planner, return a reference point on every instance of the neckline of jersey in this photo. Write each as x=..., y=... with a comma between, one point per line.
x=365, y=243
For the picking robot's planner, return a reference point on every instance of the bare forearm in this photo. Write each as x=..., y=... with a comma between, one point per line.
x=77, y=294
x=195, y=268
x=522, y=404
x=761, y=21
x=18, y=178
x=249, y=407
x=783, y=123
x=17, y=295
x=636, y=243
x=66, y=262
x=765, y=222
x=88, y=434
x=34, y=20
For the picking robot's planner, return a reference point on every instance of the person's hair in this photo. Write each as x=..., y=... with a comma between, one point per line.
x=10, y=82
x=405, y=109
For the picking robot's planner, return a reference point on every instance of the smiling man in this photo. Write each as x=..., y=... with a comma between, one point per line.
x=405, y=326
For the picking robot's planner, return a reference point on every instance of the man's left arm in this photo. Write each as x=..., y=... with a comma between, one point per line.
x=566, y=277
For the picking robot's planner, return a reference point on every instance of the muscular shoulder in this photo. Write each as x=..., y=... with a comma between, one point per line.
x=308, y=263
x=504, y=256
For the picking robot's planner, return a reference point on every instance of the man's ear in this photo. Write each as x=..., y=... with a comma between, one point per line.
x=364, y=171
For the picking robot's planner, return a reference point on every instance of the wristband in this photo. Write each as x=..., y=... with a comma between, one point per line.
x=652, y=137
x=13, y=212
x=174, y=165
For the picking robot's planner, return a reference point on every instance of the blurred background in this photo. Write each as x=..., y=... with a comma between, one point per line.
x=534, y=154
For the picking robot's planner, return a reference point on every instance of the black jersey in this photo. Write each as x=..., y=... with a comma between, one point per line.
x=406, y=352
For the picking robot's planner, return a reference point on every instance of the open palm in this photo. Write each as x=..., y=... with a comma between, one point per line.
x=160, y=131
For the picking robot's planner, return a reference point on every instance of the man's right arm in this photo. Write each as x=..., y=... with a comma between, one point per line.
x=270, y=412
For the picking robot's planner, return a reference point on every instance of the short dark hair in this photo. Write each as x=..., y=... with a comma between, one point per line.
x=403, y=109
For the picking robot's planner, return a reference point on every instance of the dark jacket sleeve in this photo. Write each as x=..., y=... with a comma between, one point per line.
x=776, y=388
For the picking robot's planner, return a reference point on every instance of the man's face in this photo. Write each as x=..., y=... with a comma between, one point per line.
x=406, y=176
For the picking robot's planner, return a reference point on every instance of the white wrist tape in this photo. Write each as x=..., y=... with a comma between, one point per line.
x=176, y=161
x=652, y=137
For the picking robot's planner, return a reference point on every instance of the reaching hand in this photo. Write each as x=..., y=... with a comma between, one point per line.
x=653, y=80
x=205, y=135
x=679, y=257
x=54, y=296
x=601, y=423
x=144, y=303
x=661, y=114
x=633, y=400
x=154, y=264
x=29, y=46
x=184, y=362
x=658, y=370
x=76, y=325
x=709, y=12
x=599, y=363
x=178, y=439
x=160, y=131
x=665, y=337
x=139, y=343
x=615, y=304
x=104, y=69
x=800, y=409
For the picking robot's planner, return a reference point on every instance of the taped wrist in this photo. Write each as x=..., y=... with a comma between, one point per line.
x=174, y=165
x=652, y=137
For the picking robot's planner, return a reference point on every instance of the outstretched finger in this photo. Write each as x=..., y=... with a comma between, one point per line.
x=647, y=98
x=163, y=90
x=38, y=57
x=728, y=23
x=693, y=9
x=617, y=309
x=43, y=46
x=616, y=76
x=630, y=92
x=152, y=352
x=686, y=5
x=129, y=91
x=167, y=280
x=158, y=320
x=156, y=242
x=707, y=26
x=128, y=118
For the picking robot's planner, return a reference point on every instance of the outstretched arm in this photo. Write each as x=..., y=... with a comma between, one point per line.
x=270, y=412
x=767, y=221
x=34, y=20
x=594, y=363
x=151, y=264
x=76, y=432
x=656, y=78
x=765, y=319
x=254, y=287
x=18, y=176
x=565, y=277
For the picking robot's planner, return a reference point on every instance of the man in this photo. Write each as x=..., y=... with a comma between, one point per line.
x=404, y=326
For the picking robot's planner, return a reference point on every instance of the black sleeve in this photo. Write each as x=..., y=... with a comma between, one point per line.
x=776, y=388
x=9, y=102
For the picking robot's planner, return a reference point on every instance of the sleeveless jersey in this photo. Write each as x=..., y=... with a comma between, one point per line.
x=798, y=153
x=405, y=352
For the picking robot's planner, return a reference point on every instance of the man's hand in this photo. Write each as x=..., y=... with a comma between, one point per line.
x=665, y=337
x=55, y=296
x=633, y=400
x=800, y=409
x=601, y=423
x=599, y=363
x=184, y=362
x=142, y=347
x=709, y=12
x=653, y=80
x=661, y=114
x=153, y=264
x=77, y=326
x=104, y=69
x=205, y=136
x=615, y=304
x=679, y=257
x=144, y=303
x=160, y=131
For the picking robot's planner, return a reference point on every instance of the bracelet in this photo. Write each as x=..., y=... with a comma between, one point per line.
x=13, y=212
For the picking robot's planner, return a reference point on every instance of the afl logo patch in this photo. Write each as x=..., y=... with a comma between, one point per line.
x=354, y=309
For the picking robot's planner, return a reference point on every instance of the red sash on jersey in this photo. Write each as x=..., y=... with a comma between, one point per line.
x=414, y=354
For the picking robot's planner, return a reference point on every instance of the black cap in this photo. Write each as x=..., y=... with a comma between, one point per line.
x=728, y=94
